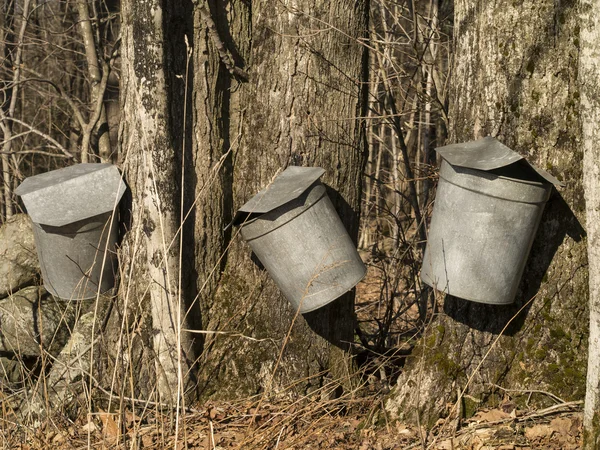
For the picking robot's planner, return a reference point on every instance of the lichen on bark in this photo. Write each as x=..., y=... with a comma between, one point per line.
x=515, y=78
x=286, y=114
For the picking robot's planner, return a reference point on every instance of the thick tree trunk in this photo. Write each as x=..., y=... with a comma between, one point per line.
x=151, y=255
x=589, y=76
x=300, y=107
x=196, y=125
x=515, y=78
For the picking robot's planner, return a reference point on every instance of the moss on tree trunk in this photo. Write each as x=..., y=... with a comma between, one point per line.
x=515, y=78
x=299, y=107
x=302, y=105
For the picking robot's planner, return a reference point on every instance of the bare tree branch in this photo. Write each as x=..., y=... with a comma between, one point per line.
x=49, y=138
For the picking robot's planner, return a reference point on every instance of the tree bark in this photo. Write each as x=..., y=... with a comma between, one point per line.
x=301, y=106
x=514, y=77
x=152, y=250
x=589, y=74
x=198, y=142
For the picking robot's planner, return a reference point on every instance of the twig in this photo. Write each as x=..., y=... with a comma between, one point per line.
x=63, y=95
x=279, y=437
x=229, y=334
x=532, y=391
x=555, y=409
x=55, y=143
x=224, y=54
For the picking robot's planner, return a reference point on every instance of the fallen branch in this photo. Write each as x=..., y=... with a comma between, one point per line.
x=555, y=409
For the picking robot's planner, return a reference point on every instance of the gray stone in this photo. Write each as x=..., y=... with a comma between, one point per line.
x=12, y=370
x=60, y=385
x=19, y=264
x=31, y=320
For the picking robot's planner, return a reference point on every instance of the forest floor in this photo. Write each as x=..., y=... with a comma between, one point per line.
x=357, y=420
x=358, y=425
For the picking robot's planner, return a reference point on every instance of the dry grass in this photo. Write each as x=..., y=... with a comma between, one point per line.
x=355, y=420
x=351, y=422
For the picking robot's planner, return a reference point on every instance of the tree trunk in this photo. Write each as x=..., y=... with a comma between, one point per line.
x=514, y=77
x=8, y=110
x=589, y=74
x=300, y=107
x=151, y=254
x=201, y=125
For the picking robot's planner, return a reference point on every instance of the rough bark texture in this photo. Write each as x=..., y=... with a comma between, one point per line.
x=589, y=76
x=150, y=293
x=514, y=77
x=299, y=107
x=183, y=108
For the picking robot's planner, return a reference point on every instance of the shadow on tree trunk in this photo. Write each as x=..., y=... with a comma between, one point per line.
x=558, y=221
x=330, y=321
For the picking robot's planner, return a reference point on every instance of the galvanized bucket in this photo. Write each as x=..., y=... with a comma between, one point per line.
x=75, y=227
x=488, y=206
x=295, y=232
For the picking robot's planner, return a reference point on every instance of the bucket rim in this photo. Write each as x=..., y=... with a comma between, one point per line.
x=303, y=210
x=537, y=191
x=538, y=183
x=475, y=191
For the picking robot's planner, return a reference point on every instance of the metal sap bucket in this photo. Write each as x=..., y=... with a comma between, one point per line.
x=295, y=232
x=75, y=227
x=488, y=206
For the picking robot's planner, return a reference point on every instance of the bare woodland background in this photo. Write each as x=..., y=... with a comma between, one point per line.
x=365, y=89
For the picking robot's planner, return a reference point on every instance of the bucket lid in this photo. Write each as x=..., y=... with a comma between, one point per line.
x=487, y=154
x=77, y=192
x=287, y=186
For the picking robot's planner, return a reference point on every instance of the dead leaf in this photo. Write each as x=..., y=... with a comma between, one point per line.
x=477, y=443
x=109, y=425
x=538, y=432
x=365, y=446
x=89, y=427
x=59, y=438
x=448, y=444
x=577, y=425
x=493, y=415
x=562, y=426
x=485, y=433
x=508, y=407
x=406, y=432
x=504, y=433
x=131, y=418
x=148, y=440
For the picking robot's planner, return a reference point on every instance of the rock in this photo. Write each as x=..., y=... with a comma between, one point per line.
x=71, y=364
x=19, y=264
x=62, y=383
x=11, y=370
x=31, y=317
